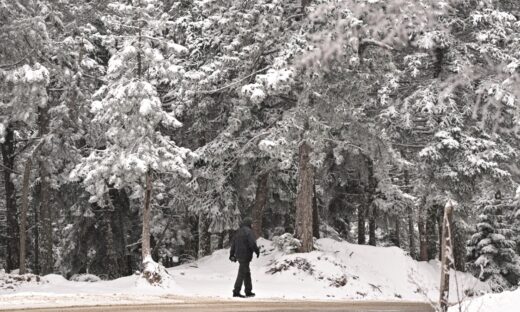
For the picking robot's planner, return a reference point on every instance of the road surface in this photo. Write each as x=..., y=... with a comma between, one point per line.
x=254, y=306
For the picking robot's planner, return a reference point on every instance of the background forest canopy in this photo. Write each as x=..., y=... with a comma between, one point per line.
x=141, y=128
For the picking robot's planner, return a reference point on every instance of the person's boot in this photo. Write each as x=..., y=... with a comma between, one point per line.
x=237, y=294
x=250, y=294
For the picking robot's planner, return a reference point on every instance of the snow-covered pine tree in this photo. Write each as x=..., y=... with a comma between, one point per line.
x=491, y=252
x=128, y=114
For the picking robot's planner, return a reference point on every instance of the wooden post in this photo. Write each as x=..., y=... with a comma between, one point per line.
x=447, y=256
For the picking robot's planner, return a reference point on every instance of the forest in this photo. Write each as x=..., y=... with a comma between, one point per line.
x=135, y=133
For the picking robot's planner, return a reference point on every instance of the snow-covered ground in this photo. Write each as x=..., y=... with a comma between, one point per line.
x=336, y=270
x=508, y=301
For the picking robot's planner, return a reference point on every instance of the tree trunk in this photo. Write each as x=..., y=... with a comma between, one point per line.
x=315, y=214
x=46, y=252
x=8, y=150
x=411, y=234
x=260, y=203
x=409, y=210
x=439, y=218
x=447, y=256
x=214, y=241
x=431, y=231
x=204, y=236
x=361, y=224
x=23, y=213
x=46, y=255
x=369, y=190
x=397, y=231
x=36, y=212
x=111, y=257
x=303, y=229
x=423, y=238
x=372, y=227
x=145, y=236
x=119, y=218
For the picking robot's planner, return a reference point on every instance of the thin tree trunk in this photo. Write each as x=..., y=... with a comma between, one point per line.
x=111, y=260
x=361, y=224
x=397, y=231
x=423, y=238
x=145, y=236
x=47, y=264
x=303, y=229
x=372, y=227
x=36, y=212
x=370, y=189
x=315, y=214
x=23, y=214
x=46, y=252
x=409, y=210
x=260, y=203
x=439, y=219
x=204, y=236
x=447, y=256
x=411, y=236
x=8, y=149
x=431, y=231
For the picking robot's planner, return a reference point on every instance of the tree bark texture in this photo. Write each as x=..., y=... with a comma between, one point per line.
x=411, y=233
x=423, y=238
x=447, y=256
x=304, y=215
x=397, y=231
x=204, y=236
x=372, y=226
x=262, y=190
x=23, y=214
x=361, y=224
x=315, y=214
x=12, y=240
x=432, y=230
x=46, y=244
x=145, y=236
x=370, y=189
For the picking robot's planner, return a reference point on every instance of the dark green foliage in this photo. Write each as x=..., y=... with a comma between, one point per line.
x=491, y=254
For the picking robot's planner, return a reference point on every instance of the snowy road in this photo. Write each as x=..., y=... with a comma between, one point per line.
x=257, y=306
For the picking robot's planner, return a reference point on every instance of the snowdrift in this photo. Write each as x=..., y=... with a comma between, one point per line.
x=335, y=271
x=508, y=301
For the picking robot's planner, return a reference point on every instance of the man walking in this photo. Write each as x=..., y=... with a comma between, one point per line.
x=243, y=245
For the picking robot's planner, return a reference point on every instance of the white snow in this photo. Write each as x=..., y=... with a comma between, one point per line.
x=336, y=270
x=508, y=301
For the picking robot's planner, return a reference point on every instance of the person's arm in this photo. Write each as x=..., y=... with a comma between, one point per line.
x=252, y=243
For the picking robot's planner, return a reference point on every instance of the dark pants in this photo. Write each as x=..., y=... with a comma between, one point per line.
x=244, y=276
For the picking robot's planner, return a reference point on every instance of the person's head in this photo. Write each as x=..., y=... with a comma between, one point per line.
x=247, y=222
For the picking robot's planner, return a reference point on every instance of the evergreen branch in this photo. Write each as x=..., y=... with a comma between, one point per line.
x=18, y=62
x=367, y=42
x=234, y=83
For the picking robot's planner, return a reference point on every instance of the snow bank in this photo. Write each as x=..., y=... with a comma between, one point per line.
x=508, y=301
x=335, y=270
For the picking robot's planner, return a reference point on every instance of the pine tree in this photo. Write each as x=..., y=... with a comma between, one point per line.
x=491, y=252
x=129, y=113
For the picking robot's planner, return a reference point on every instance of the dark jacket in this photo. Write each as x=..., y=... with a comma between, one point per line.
x=243, y=244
